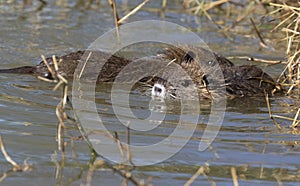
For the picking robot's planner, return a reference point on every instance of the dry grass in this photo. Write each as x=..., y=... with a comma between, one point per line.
x=289, y=17
x=285, y=21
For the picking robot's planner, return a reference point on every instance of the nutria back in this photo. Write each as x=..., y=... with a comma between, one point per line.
x=67, y=65
x=20, y=70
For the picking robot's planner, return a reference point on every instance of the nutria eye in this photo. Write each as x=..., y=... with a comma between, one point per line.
x=48, y=76
x=205, y=79
x=189, y=56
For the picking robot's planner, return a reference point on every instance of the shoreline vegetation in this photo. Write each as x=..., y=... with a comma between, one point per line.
x=276, y=17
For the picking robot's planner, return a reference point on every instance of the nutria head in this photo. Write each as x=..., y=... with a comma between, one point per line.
x=202, y=74
x=212, y=75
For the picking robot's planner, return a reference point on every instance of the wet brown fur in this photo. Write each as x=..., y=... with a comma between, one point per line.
x=239, y=81
x=199, y=63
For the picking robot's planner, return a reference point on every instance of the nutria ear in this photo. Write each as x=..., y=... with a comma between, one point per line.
x=189, y=56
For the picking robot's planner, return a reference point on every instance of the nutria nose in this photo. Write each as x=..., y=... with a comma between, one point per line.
x=158, y=90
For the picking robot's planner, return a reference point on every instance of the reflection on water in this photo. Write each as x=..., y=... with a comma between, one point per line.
x=248, y=139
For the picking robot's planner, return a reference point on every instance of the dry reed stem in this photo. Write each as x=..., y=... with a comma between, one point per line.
x=129, y=156
x=204, y=170
x=296, y=120
x=234, y=176
x=261, y=171
x=254, y=59
x=132, y=12
x=49, y=67
x=16, y=167
x=128, y=175
x=55, y=63
x=284, y=6
x=164, y=4
x=96, y=165
x=290, y=21
x=278, y=179
x=270, y=112
x=282, y=117
x=7, y=157
x=84, y=65
x=195, y=176
x=121, y=169
x=262, y=42
x=116, y=17
x=60, y=108
x=203, y=5
x=120, y=147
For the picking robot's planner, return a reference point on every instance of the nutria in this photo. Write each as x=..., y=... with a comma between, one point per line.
x=199, y=64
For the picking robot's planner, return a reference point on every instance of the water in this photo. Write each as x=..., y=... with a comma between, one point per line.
x=248, y=139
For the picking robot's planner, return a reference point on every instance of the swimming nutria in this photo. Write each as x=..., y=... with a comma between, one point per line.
x=198, y=63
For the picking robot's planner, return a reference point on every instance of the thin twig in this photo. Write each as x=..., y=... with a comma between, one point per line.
x=96, y=165
x=234, y=176
x=116, y=17
x=84, y=65
x=132, y=11
x=248, y=58
x=270, y=112
x=195, y=176
x=129, y=176
x=296, y=121
x=163, y=4
x=263, y=43
x=120, y=147
x=129, y=157
x=49, y=67
x=16, y=167
x=7, y=157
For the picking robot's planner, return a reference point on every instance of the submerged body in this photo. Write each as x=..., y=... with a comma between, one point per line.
x=205, y=72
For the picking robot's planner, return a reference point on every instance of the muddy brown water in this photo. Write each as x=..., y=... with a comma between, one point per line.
x=248, y=139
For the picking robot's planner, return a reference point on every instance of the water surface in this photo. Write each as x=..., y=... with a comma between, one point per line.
x=248, y=140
